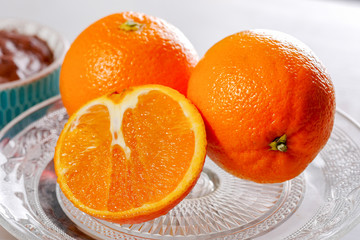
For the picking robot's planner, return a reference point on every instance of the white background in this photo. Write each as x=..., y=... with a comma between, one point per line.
x=330, y=28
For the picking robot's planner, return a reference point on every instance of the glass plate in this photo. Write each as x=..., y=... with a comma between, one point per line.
x=322, y=203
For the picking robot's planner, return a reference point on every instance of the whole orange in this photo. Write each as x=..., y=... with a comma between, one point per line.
x=122, y=50
x=268, y=104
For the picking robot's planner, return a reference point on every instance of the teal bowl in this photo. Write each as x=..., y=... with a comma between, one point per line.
x=18, y=96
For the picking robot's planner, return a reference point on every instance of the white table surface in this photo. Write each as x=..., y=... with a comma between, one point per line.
x=330, y=28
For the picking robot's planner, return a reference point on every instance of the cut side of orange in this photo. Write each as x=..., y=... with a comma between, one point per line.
x=130, y=157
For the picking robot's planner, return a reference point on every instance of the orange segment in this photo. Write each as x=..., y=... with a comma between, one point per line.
x=131, y=157
x=86, y=153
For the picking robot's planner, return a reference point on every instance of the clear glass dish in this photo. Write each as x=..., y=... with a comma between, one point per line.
x=322, y=203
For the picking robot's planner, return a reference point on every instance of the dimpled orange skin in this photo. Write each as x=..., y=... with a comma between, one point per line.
x=255, y=86
x=105, y=58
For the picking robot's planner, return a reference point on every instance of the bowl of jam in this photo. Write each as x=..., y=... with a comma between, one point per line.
x=30, y=59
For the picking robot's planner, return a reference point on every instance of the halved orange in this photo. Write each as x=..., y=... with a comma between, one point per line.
x=130, y=157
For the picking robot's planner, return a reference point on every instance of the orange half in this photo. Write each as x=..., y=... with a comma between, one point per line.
x=133, y=156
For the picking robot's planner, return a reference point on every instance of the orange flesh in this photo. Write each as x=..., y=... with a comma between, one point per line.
x=156, y=132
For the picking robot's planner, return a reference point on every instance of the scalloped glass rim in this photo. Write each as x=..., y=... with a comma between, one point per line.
x=339, y=213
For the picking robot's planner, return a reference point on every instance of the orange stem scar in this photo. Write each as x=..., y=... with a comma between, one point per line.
x=279, y=144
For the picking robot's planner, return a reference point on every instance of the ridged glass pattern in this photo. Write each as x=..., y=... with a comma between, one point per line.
x=323, y=203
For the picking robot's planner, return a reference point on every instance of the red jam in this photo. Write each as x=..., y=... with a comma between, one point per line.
x=22, y=56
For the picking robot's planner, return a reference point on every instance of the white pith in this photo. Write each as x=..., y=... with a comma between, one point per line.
x=116, y=114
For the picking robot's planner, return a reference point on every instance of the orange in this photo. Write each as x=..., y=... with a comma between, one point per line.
x=131, y=157
x=123, y=50
x=268, y=104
